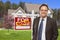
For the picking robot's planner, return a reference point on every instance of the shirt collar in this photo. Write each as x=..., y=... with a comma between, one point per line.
x=43, y=18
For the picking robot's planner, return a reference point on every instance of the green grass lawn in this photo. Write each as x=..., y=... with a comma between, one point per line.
x=17, y=35
x=58, y=34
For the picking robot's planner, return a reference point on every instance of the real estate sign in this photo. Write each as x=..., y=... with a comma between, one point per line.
x=22, y=23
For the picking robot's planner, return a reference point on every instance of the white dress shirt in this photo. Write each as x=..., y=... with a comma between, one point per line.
x=44, y=27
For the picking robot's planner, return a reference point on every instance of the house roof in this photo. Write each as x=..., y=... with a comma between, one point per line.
x=30, y=7
x=10, y=11
x=19, y=9
x=14, y=11
x=35, y=7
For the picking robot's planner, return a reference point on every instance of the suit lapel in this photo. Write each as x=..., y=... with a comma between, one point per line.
x=47, y=23
x=47, y=26
x=37, y=22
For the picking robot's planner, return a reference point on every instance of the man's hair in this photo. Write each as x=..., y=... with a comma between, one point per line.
x=43, y=5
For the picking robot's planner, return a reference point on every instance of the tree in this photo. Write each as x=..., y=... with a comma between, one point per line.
x=22, y=5
x=7, y=5
x=1, y=8
x=55, y=14
x=8, y=22
x=14, y=6
x=58, y=14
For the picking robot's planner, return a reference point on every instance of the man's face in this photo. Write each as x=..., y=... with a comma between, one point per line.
x=43, y=11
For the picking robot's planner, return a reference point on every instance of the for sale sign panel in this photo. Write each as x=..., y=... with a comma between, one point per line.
x=22, y=23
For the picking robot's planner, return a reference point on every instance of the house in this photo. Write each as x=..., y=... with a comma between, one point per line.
x=30, y=10
x=30, y=7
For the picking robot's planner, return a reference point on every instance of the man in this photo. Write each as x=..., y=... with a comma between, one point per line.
x=44, y=27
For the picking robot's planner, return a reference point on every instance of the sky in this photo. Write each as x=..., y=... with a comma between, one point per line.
x=51, y=3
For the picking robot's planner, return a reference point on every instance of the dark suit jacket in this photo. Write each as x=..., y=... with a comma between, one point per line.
x=51, y=29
